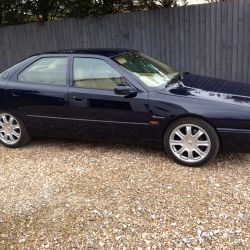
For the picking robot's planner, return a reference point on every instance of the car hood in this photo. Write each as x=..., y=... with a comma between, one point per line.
x=179, y=89
x=216, y=85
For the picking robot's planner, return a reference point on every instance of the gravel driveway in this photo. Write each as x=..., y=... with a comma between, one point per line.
x=63, y=194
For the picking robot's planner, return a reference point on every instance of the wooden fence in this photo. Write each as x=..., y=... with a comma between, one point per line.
x=207, y=39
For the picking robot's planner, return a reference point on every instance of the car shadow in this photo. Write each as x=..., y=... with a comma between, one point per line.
x=223, y=160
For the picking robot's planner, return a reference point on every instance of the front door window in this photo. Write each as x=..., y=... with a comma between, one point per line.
x=96, y=74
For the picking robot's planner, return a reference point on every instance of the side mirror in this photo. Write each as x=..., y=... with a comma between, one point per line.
x=125, y=90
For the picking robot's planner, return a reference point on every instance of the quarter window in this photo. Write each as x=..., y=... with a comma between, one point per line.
x=96, y=73
x=46, y=71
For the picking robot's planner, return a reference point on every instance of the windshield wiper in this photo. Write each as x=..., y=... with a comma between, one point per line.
x=175, y=79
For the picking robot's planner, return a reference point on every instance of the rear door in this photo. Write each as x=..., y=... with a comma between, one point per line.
x=97, y=110
x=39, y=92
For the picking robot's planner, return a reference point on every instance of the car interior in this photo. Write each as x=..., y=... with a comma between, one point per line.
x=94, y=73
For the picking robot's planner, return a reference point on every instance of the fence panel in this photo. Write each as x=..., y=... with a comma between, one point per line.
x=209, y=39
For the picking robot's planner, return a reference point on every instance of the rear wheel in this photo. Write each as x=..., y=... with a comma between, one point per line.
x=191, y=141
x=13, y=133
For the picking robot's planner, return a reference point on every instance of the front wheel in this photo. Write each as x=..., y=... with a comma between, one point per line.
x=13, y=133
x=191, y=141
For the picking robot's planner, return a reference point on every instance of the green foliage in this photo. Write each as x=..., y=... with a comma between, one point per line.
x=44, y=10
x=25, y=11
x=11, y=12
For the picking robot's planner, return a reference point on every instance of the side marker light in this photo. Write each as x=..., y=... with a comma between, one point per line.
x=154, y=123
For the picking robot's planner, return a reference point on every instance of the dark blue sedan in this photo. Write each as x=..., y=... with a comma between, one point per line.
x=123, y=95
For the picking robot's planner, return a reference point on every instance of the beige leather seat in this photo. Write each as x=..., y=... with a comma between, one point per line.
x=82, y=78
x=101, y=78
x=56, y=72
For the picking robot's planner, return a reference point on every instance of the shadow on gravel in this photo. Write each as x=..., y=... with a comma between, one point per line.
x=222, y=160
x=95, y=144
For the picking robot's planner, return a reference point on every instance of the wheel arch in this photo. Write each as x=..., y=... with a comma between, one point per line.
x=192, y=116
x=14, y=113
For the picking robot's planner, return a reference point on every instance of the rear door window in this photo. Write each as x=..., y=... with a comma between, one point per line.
x=52, y=70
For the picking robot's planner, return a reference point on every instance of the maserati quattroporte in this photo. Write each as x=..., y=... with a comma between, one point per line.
x=126, y=95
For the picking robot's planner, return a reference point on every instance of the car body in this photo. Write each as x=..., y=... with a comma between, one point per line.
x=58, y=94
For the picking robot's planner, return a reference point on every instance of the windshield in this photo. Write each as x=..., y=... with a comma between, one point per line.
x=151, y=72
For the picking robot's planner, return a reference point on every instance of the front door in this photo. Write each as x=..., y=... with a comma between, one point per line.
x=97, y=110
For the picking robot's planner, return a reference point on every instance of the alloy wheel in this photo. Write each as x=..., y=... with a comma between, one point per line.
x=10, y=130
x=190, y=143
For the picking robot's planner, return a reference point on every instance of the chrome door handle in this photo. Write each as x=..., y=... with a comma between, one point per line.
x=77, y=98
x=16, y=93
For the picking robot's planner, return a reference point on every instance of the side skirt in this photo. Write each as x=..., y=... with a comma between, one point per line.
x=37, y=132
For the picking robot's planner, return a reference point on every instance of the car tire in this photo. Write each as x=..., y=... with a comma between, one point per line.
x=191, y=141
x=13, y=133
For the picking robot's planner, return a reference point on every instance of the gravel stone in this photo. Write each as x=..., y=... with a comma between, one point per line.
x=65, y=194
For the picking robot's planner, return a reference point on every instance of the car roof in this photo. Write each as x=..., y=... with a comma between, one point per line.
x=102, y=52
